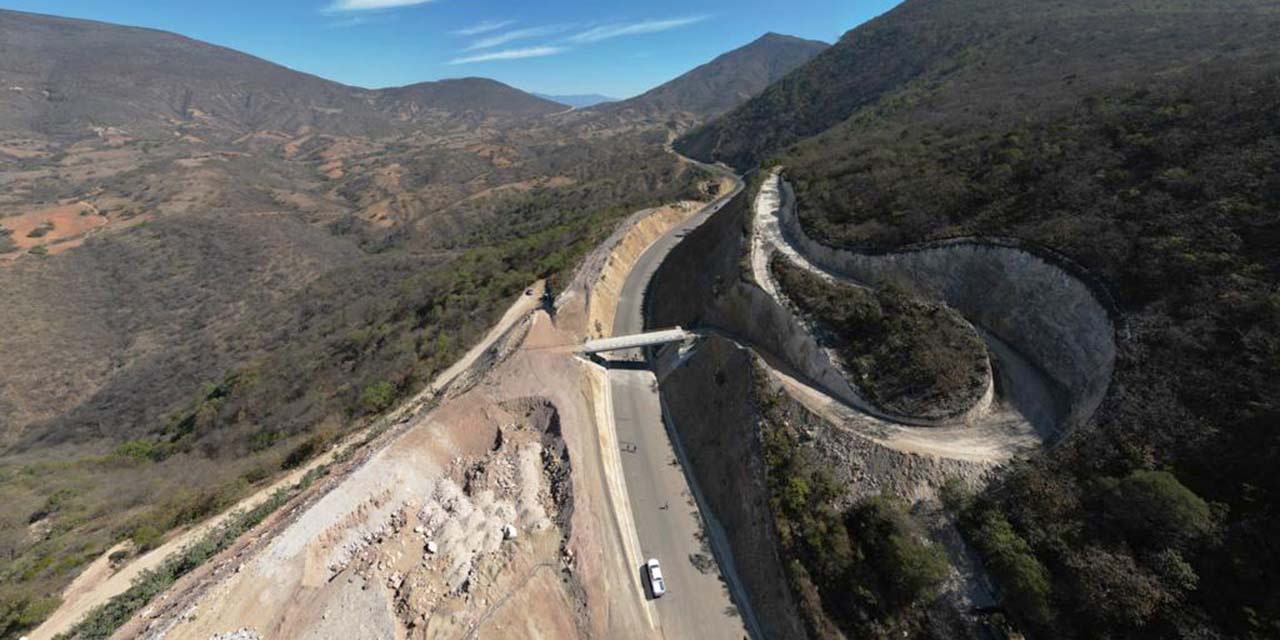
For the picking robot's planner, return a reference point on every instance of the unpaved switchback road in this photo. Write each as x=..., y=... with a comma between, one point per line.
x=1020, y=423
x=698, y=604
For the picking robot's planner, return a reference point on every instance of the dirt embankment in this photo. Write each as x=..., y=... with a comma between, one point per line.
x=622, y=255
x=588, y=304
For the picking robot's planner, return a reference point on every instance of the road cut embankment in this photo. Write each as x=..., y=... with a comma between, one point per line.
x=1036, y=307
x=700, y=284
x=607, y=270
x=1050, y=337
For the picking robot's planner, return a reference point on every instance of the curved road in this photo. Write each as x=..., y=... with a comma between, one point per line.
x=669, y=523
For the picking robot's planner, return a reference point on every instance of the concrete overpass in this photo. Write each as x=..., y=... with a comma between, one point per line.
x=648, y=339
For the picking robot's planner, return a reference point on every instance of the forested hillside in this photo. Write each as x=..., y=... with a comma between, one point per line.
x=1141, y=140
x=976, y=60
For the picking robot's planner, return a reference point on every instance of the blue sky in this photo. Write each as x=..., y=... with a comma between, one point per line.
x=552, y=46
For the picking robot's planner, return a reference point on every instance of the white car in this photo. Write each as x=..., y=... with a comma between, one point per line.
x=657, y=586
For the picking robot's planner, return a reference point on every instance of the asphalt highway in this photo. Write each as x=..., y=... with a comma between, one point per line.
x=669, y=524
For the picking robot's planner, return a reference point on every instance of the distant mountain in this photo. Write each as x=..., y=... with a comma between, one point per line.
x=578, y=100
x=726, y=81
x=62, y=75
x=470, y=94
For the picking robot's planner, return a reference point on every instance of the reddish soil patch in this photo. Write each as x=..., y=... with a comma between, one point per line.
x=69, y=221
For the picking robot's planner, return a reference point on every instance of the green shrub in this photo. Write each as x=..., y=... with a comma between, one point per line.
x=7, y=245
x=1155, y=510
x=137, y=451
x=21, y=611
x=377, y=396
x=1022, y=579
x=41, y=231
x=909, y=568
x=146, y=537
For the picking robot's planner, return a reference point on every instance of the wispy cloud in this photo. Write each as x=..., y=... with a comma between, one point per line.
x=368, y=5
x=608, y=31
x=484, y=27
x=352, y=21
x=510, y=54
x=516, y=34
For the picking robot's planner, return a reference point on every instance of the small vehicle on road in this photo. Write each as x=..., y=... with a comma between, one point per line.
x=657, y=586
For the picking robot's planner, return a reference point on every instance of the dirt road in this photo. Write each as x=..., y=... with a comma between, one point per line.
x=1020, y=422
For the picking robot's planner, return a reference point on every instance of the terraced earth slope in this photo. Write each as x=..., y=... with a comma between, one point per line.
x=1132, y=144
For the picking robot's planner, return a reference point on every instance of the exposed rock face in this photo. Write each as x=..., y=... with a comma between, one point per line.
x=1039, y=309
x=1035, y=307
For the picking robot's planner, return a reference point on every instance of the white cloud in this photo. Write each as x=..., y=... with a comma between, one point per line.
x=517, y=34
x=648, y=26
x=367, y=5
x=510, y=54
x=484, y=27
x=353, y=21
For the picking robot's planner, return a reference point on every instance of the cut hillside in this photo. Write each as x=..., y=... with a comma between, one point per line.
x=725, y=82
x=1135, y=144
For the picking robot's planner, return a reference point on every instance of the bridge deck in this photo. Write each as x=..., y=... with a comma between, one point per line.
x=649, y=339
